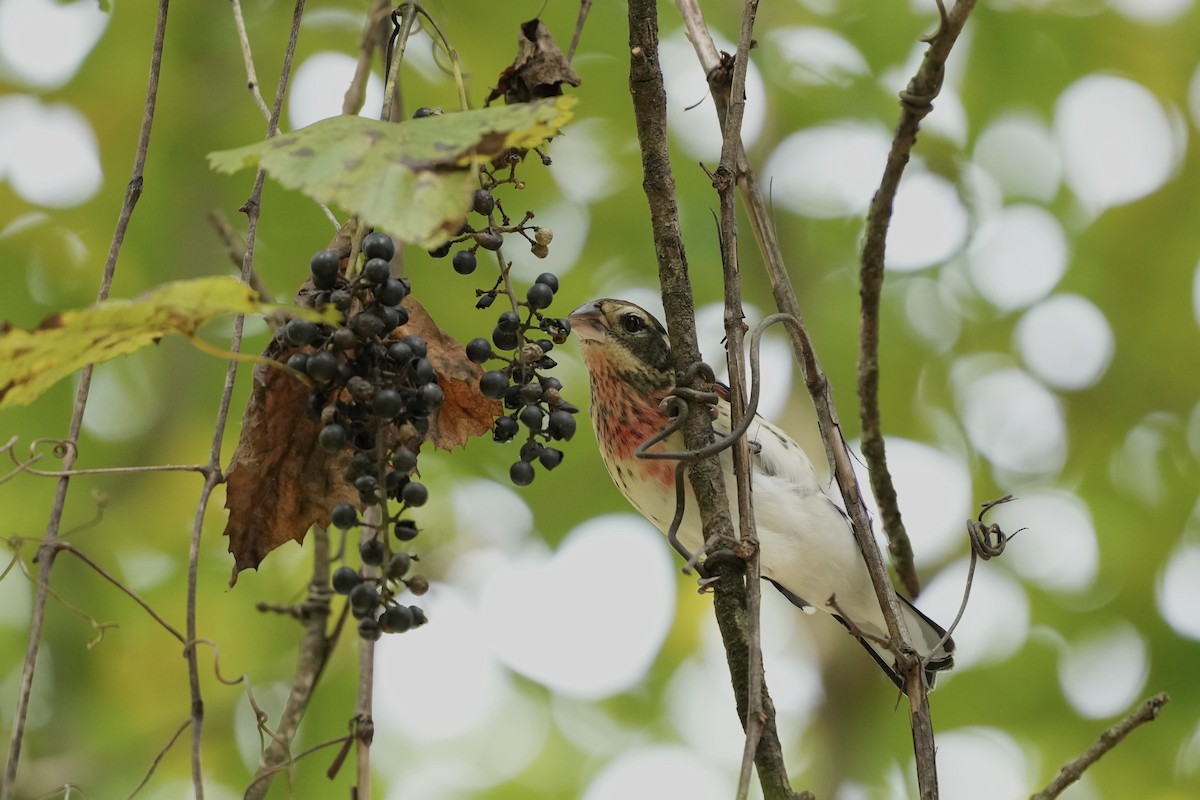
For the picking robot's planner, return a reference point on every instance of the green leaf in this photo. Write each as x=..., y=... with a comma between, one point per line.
x=33, y=361
x=413, y=179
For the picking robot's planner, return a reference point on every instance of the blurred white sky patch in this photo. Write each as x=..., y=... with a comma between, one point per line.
x=982, y=764
x=828, y=171
x=934, y=490
x=691, y=117
x=1009, y=417
x=1118, y=142
x=560, y=620
x=318, y=89
x=43, y=43
x=1058, y=551
x=1103, y=672
x=817, y=56
x=1066, y=342
x=996, y=623
x=1017, y=256
x=584, y=168
x=48, y=153
x=929, y=223
x=1155, y=12
x=1178, y=590
x=1019, y=152
x=934, y=312
x=660, y=771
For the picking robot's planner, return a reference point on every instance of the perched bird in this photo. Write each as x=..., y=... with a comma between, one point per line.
x=807, y=549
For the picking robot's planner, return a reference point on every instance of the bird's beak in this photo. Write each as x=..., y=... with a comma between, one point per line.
x=588, y=322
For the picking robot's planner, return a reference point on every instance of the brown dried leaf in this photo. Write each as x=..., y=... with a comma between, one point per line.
x=539, y=70
x=465, y=412
x=280, y=482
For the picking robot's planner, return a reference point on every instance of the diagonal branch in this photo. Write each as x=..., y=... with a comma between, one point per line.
x=1071, y=772
x=649, y=99
x=916, y=102
x=49, y=547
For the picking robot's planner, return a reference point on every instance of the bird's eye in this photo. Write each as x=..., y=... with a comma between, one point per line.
x=632, y=323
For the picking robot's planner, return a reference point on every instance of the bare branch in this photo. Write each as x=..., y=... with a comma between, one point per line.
x=916, y=102
x=1071, y=772
x=248, y=57
x=48, y=549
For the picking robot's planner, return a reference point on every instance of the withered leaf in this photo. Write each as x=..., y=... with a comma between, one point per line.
x=539, y=70
x=465, y=412
x=280, y=482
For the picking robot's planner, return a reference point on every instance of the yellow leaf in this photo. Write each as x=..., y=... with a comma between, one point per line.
x=33, y=361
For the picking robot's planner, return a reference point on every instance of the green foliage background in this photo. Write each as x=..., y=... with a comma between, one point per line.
x=100, y=715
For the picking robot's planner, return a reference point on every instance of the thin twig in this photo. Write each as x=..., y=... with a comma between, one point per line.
x=1071, y=772
x=836, y=449
x=356, y=92
x=253, y=211
x=48, y=550
x=649, y=99
x=248, y=58
x=407, y=20
x=158, y=758
x=235, y=248
x=108, y=576
x=916, y=102
x=315, y=649
x=584, y=7
x=724, y=181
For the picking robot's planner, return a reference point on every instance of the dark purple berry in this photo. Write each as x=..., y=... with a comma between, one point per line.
x=404, y=460
x=493, y=384
x=377, y=270
x=332, y=438
x=345, y=579
x=521, y=473
x=405, y=530
x=504, y=429
x=343, y=339
x=485, y=301
x=417, y=345
x=509, y=322
x=396, y=619
x=504, y=340
x=440, y=252
x=344, y=516
x=539, y=296
x=299, y=332
x=464, y=262
x=369, y=629
x=366, y=326
x=387, y=403
x=431, y=396
x=322, y=365
x=550, y=279
x=398, y=564
x=400, y=352
x=484, y=202
x=561, y=425
x=372, y=552
x=490, y=239
x=478, y=350
x=324, y=266
x=378, y=245
x=423, y=111
x=531, y=417
x=531, y=450
x=298, y=362
x=391, y=293
x=414, y=494
x=418, y=615
x=550, y=458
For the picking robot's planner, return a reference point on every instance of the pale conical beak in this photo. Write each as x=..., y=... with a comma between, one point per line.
x=588, y=322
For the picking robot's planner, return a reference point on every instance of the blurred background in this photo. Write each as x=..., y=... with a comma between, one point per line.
x=1041, y=337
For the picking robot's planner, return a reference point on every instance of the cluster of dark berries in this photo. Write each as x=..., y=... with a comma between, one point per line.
x=373, y=392
x=373, y=596
x=533, y=400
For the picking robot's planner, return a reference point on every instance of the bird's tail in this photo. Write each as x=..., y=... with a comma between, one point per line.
x=925, y=635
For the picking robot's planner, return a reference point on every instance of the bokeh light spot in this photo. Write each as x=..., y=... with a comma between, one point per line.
x=659, y=771
x=590, y=642
x=1102, y=673
x=1017, y=256
x=1066, y=342
x=1116, y=139
x=1020, y=154
x=816, y=56
x=982, y=764
x=1059, y=550
x=1014, y=421
x=996, y=622
x=319, y=87
x=830, y=170
x=929, y=223
x=48, y=152
x=1178, y=591
x=43, y=42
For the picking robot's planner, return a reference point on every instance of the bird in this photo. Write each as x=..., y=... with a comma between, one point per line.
x=806, y=546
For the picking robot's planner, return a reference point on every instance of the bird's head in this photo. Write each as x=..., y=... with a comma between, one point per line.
x=625, y=342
